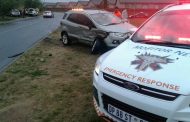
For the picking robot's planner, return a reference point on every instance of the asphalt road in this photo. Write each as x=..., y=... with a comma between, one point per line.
x=16, y=37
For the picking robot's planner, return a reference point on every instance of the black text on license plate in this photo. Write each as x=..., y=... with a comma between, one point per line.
x=124, y=116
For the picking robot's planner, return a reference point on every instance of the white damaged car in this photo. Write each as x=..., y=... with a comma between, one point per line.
x=145, y=79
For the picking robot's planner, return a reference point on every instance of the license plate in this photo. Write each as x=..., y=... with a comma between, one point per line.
x=126, y=117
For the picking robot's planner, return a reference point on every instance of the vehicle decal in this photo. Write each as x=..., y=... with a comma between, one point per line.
x=154, y=48
x=146, y=60
x=142, y=80
x=165, y=50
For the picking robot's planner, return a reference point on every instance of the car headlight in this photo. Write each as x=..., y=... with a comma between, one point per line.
x=129, y=34
x=97, y=68
x=118, y=34
x=99, y=62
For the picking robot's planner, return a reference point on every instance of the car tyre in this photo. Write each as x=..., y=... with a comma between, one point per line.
x=96, y=47
x=65, y=39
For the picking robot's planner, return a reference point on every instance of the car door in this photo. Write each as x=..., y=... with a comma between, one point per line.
x=73, y=25
x=86, y=34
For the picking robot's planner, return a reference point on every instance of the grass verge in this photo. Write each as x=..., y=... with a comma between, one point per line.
x=49, y=83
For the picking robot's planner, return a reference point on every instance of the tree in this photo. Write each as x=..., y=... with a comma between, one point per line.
x=32, y=3
x=6, y=6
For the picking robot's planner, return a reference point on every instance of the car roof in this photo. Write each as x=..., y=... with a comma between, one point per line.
x=185, y=6
x=88, y=11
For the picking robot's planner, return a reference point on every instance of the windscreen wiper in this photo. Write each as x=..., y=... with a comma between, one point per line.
x=112, y=24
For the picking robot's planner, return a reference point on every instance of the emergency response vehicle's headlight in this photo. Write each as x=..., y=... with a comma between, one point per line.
x=99, y=62
x=97, y=68
x=118, y=34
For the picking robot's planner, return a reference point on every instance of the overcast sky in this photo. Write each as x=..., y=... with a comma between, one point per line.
x=61, y=0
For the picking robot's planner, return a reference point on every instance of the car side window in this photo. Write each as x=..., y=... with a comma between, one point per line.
x=84, y=20
x=81, y=19
x=65, y=15
x=73, y=18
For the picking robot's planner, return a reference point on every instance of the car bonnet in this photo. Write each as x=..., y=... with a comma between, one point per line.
x=121, y=28
x=158, y=67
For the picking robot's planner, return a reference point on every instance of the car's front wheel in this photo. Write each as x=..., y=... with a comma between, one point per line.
x=65, y=39
x=96, y=47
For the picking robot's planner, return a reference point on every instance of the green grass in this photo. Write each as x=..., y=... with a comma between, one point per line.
x=7, y=18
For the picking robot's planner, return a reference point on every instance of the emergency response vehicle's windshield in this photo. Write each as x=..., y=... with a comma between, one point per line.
x=106, y=19
x=169, y=28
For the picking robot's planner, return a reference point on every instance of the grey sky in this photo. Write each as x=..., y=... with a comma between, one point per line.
x=61, y=0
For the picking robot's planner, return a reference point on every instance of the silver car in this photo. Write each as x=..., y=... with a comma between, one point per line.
x=48, y=14
x=100, y=29
x=32, y=12
x=15, y=12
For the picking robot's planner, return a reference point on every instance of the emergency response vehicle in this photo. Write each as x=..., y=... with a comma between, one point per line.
x=146, y=78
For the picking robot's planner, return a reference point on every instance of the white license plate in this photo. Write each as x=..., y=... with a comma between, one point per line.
x=123, y=115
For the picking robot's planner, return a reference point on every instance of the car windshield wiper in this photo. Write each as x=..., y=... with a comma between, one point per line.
x=112, y=24
x=164, y=43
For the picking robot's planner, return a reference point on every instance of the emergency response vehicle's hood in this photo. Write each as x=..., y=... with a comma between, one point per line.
x=158, y=67
x=120, y=28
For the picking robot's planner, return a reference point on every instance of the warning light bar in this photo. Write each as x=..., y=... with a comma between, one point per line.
x=152, y=37
x=184, y=1
x=77, y=9
x=184, y=39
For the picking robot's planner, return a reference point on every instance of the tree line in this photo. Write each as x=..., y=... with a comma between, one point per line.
x=7, y=5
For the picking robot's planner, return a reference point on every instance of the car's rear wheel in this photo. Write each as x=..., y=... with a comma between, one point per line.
x=96, y=47
x=65, y=39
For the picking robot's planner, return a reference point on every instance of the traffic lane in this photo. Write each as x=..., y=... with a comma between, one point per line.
x=23, y=35
x=11, y=29
x=17, y=24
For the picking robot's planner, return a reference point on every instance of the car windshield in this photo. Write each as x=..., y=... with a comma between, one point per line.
x=171, y=27
x=47, y=12
x=15, y=10
x=106, y=19
x=31, y=9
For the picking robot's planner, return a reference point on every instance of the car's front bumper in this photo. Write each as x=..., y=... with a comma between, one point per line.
x=47, y=15
x=112, y=42
x=146, y=107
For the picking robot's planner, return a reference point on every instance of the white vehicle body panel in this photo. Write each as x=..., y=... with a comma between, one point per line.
x=157, y=70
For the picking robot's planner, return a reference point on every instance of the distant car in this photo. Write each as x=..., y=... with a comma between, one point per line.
x=32, y=12
x=15, y=12
x=48, y=14
x=139, y=15
x=100, y=29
